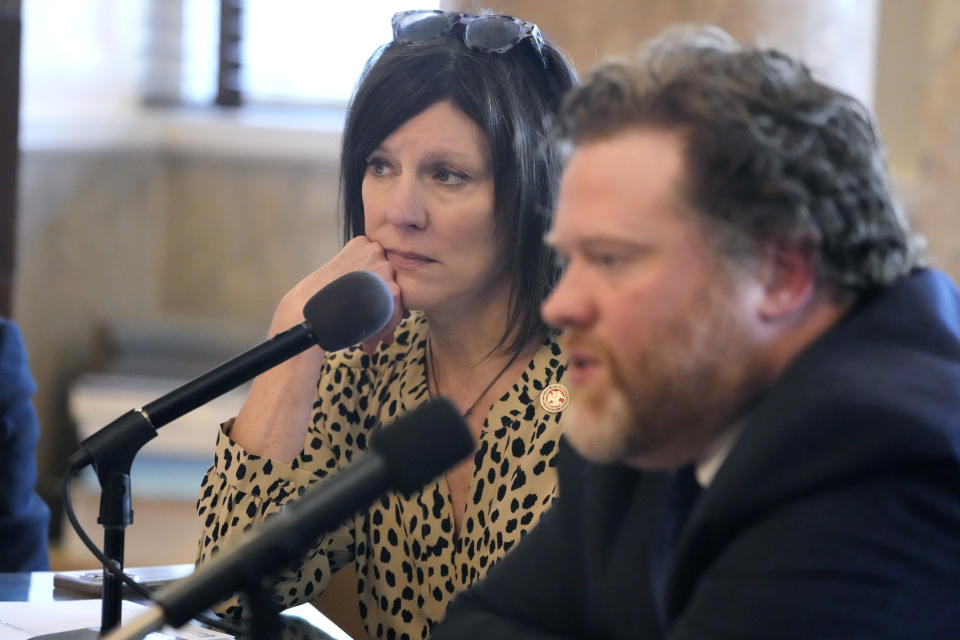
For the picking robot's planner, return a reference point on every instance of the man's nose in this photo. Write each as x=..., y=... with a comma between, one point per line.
x=570, y=304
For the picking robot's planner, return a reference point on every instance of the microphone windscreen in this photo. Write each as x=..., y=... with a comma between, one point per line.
x=423, y=444
x=352, y=308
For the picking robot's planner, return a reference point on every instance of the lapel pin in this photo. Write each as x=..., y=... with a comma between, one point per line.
x=554, y=398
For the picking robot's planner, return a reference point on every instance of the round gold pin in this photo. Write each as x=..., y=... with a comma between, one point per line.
x=554, y=398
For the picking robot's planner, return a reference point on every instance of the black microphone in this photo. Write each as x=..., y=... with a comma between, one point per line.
x=349, y=310
x=404, y=456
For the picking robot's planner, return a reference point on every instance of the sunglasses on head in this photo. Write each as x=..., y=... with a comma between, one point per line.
x=490, y=33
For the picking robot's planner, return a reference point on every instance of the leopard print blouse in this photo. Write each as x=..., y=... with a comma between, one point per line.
x=408, y=560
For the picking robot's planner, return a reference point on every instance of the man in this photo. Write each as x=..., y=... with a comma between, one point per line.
x=765, y=385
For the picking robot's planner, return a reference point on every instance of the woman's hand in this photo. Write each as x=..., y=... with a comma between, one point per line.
x=275, y=416
x=360, y=253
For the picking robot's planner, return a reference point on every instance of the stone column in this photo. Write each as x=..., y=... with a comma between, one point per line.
x=837, y=38
x=936, y=180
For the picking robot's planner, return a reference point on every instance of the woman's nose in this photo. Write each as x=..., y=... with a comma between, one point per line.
x=405, y=206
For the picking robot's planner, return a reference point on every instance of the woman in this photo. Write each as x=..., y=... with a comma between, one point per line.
x=447, y=178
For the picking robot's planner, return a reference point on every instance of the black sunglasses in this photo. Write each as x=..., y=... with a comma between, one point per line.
x=490, y=33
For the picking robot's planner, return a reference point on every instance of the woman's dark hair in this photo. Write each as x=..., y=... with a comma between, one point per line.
x=513, y=97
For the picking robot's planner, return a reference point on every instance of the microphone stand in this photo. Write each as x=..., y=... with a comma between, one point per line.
x=116, y=510
x=112, y=464
x=112, y=449
x=261, y=615
x=403, y=457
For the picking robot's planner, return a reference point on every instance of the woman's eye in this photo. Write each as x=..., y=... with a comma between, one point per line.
x=447, y=176
x=377, y=166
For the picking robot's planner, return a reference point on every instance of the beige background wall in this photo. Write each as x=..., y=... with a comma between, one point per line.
x=836, y=37
x=147, y=234
x=120, y=237
x=935, y=173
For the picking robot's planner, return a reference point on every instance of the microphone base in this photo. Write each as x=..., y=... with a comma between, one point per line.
x=73, y=634
x=150, y=621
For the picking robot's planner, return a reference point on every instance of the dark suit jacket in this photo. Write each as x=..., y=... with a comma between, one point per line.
x=835, y=515
x=23, y=516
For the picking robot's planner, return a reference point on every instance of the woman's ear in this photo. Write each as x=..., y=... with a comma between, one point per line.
x=789, y=278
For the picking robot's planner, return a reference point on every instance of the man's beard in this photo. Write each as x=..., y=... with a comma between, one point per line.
x=665, y=404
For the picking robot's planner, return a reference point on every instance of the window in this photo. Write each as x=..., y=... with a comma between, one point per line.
x=293, y=51
x=89, y=65
x=311, y=51
x=80, y=53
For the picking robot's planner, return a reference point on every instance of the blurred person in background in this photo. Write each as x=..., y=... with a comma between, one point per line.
x=24, y=518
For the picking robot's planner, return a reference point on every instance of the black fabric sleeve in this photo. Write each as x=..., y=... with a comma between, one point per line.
x=878, y=558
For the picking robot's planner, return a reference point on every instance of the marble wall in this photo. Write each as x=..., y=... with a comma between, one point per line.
x=240, y=232
x=835, y=37
x=87, y=251
x=130, y=238
x=936, y=177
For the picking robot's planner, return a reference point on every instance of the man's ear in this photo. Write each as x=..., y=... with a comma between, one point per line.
x=789, y=278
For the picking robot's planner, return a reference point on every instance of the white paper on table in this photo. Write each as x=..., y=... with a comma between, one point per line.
x=23, y=620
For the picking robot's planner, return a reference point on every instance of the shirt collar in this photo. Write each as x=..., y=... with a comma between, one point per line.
x=708, y=466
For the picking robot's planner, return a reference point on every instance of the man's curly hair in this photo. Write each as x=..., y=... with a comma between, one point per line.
x=771, y=154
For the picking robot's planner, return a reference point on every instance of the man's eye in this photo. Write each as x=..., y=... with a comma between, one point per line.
x=608, y=259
